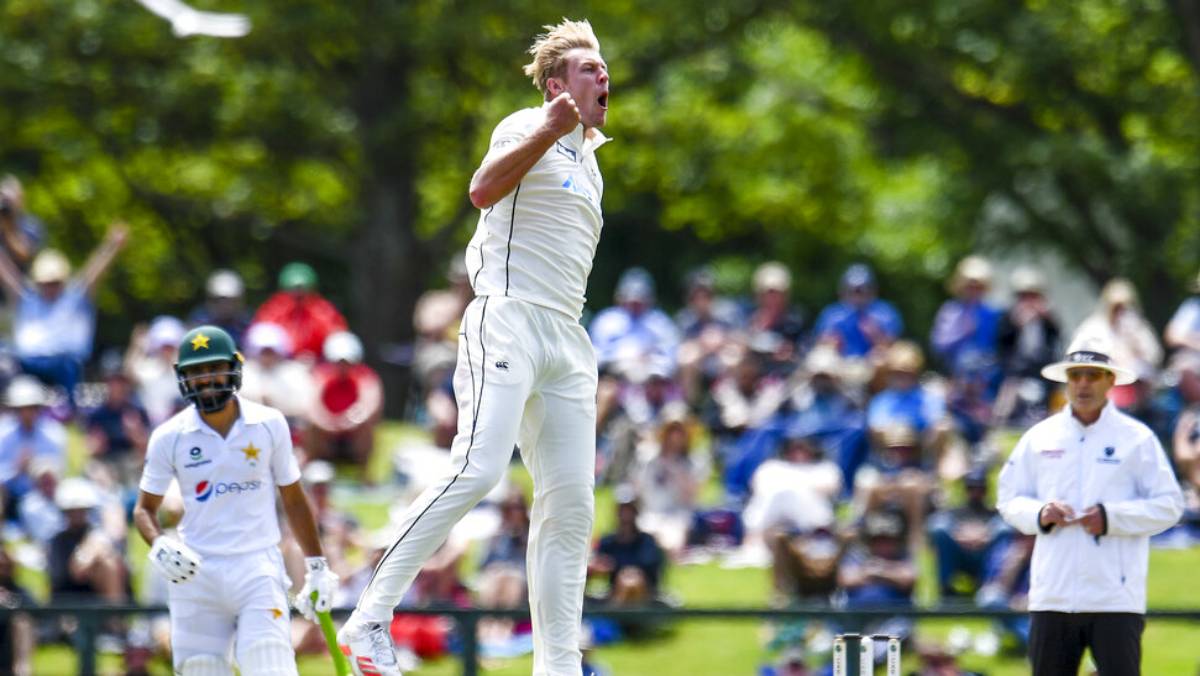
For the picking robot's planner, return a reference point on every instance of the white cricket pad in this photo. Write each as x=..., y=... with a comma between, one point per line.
x=205, y=665
x=268, y=658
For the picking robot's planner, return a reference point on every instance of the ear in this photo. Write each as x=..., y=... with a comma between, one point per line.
x=554, y=87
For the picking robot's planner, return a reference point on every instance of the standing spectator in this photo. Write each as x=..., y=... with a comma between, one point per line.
x=55, y=319
x=1029, y=340
x=859, y=322
x=27, y=436
x=224, y=304
x=21, y=233
x=347, y=406
x=1093, y=485
x=150, y=363
x=967, y=539
x=965, y=327
x=1118, y=319
x=118, y=429
x=633, y=331
x=304, y=313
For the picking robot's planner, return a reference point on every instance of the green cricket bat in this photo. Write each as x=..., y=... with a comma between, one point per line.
x=340, y=666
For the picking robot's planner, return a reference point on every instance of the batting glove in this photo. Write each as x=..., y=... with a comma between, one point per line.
x=175, y=560
x=319, y=585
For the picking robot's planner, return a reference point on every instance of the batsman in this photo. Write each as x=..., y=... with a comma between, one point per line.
x=228, y=598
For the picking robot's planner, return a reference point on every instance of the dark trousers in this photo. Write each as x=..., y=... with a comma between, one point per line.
x=1057, y=640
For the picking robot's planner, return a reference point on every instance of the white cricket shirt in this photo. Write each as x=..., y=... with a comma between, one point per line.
x=538, y=242
x=228, y=484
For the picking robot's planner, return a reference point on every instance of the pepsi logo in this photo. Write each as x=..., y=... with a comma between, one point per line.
x=203, y=491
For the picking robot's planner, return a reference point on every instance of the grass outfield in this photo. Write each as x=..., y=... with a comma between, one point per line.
x=733, y=647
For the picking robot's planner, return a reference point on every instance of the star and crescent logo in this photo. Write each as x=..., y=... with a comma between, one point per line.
x=200, y=342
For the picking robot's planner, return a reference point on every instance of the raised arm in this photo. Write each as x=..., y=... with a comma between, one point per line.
x=98, y=263
x=502, y=172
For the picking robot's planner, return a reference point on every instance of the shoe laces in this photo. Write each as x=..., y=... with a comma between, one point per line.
x=381, y=646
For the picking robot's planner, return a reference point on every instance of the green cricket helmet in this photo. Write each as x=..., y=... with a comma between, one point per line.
x=208, y=345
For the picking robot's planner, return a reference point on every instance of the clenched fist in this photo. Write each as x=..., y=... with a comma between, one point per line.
x=562, y=115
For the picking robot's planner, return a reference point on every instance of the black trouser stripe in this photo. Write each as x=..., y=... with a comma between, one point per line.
x=470, y=444
x=512, y=225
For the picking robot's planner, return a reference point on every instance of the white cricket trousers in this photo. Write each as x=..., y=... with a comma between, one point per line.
x=526, y=374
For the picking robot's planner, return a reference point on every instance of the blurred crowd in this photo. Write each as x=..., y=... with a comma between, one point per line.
x=829, y=449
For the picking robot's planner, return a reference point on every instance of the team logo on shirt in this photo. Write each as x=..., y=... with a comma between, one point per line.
x=1108, y=459
x=251, y=454
x=1052, y=452
x=197, y=458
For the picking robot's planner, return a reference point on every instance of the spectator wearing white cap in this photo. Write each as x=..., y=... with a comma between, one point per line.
x=1133, y=342
x=26, y=434
x=150, y=363
x=271, y=376
x=84, y=566
x=633, y=330
x=965, y=327
x=347, y=406
x=224, y=305
x=55, y=319
x=773, y=313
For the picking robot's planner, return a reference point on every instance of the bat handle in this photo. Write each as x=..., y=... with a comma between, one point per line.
x=325, y=620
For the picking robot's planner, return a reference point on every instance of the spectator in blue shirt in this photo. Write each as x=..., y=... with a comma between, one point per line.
x=903, y=400
x=26, y=436
x=859, y=322
x=966, y=327
x=55, y=320
x=633, y=330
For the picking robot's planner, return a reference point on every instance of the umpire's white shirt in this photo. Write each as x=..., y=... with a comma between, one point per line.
x=538, y=242
x=1116, y=462
x=228, y=484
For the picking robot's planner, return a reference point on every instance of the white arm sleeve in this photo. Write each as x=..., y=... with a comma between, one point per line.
x=159, y=469
x=1161, y=501
x=1016, y=494
x=510, y=131
x=283, y=459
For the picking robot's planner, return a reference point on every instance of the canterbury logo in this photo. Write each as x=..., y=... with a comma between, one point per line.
x=502, y=365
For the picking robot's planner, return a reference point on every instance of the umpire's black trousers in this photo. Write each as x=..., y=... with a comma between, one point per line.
x=1057, y=640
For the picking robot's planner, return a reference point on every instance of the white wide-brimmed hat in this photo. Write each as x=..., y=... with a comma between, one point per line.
x=1090, y=351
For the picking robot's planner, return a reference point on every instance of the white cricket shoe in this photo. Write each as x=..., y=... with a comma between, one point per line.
x=368, y=647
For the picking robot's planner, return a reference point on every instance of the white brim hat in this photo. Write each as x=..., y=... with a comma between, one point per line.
x=1088, y=352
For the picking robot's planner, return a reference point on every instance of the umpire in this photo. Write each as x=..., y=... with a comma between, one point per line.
x=1093, y=485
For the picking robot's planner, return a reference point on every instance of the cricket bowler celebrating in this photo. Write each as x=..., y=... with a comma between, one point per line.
x=228, y=597
x=526, y=369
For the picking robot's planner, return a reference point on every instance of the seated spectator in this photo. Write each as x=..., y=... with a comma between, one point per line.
x=150, y=363
x=706, y=324
x=879, y=570
x=966, y=540
x=631, y=403
x=1028, y=340
x=744, y=400
x=859, y=322
x=84, y=566
x=502, y=581
x=304, y=313
x=270, y=376
x=669, y=482
x=965, y=327
x=436, y=317
x=630, y=558
x=899, y=475
x=26, y=436
x=822, y=405
x=347, y=406
x=633, y=330
x=1006, y=585
x=1118, y=319
x=773, y=314
x=39, y=514
x=224, y=305
x=117, y=431
x=17, y=635
x=1185, y=437
x=55, y=320
x=1183, y=331
x=906, y=401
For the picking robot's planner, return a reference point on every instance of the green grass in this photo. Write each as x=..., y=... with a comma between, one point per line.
x=703, y=647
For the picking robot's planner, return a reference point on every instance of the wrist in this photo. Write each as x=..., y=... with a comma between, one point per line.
x=315, y=563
